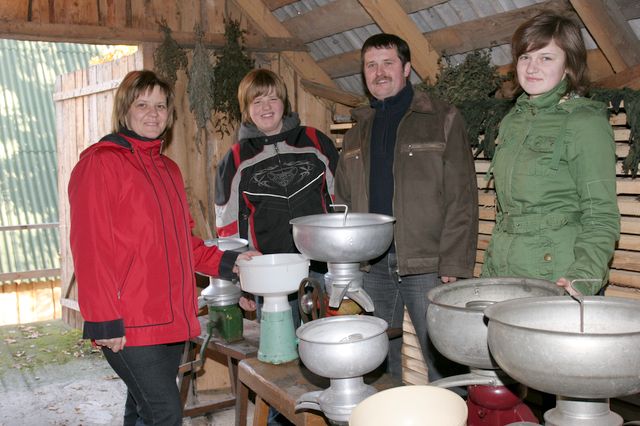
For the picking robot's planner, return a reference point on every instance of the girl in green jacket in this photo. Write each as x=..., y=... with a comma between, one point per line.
x=554, y=166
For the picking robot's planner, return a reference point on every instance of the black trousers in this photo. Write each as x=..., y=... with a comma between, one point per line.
x=150, y=375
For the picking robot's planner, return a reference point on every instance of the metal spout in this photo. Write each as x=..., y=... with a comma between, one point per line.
x=361, y=297
x=309, y=401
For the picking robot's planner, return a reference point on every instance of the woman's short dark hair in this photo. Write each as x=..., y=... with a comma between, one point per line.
x=259, y=82
x=387, y=41
x=132, y=86
x=538, y=32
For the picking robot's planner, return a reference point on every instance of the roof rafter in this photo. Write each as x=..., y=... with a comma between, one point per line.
x=391, y=18
x=340, y=16
x=302, y=62
x=269, y=25
x=610, y=30
x=455, y=39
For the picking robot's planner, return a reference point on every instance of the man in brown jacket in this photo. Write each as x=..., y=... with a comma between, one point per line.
x=408, y=156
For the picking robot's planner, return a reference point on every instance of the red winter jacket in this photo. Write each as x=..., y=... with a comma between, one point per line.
x=133, y=250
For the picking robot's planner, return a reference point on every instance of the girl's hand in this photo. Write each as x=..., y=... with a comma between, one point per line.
x=247, y=304
x=563, y=282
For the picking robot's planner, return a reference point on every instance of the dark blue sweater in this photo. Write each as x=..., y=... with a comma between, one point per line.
x=389, y=112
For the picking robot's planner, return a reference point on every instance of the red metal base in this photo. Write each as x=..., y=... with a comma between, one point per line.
x=497, y=405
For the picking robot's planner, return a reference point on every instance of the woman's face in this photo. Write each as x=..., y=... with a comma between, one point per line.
x=148, y=114
x=266, y=113
x=541, y=70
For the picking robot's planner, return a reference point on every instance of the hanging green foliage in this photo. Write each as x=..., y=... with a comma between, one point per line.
x=471, y=86
x=231, y=66
x=200, y=86
x=169, y=57
x=631, y=99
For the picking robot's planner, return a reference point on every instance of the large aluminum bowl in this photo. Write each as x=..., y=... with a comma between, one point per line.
x=344, y=346
x=456, y=320
x=538, y=342
x=332, y=237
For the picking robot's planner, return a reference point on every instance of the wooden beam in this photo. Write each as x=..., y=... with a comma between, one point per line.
x=302, y=62
x=29, y=275
x=460, y=38
x=276, y=4
x=340, y=16
x=391, y=18
x=112, y=35
x=628, y=78
x=335, y=95
x=610, y=31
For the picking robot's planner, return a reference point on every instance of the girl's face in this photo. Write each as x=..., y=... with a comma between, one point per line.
x=148, y=114
x=266, y=113
x=541, y=70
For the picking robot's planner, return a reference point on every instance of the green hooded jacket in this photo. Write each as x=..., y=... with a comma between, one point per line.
x=557, y=213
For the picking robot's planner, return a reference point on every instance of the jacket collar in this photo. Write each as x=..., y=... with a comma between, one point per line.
x=421, y=103
x=251, y=131
x=130, y=140
x=546, y=100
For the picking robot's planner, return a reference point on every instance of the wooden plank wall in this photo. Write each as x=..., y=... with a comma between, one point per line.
x=22, y=303
x=624, y=278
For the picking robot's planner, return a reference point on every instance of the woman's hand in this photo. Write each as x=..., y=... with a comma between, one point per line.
x=563, y=282
x=247, y=255
x=116, y=344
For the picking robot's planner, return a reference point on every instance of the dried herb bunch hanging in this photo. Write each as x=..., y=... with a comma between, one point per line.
x=169, y=57
x=200, y=86
x=231, y=66
x=471, y=86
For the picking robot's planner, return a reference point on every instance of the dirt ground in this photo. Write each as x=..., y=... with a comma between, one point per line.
x=49, y=376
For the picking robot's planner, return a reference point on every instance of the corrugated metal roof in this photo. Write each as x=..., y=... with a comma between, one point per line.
x=28, y=170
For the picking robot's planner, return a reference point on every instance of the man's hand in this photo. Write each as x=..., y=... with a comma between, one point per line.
x=447, y=280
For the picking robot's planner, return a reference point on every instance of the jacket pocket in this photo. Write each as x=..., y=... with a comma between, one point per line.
x=540, y=152
x=352, y=154
x=413, y=148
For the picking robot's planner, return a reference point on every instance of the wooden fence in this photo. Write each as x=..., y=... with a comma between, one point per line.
x=26, y=302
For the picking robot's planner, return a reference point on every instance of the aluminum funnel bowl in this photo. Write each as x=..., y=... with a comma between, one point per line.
x=342, y=237
x=537, y=341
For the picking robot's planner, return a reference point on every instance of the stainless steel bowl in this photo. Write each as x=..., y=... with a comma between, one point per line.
x=456, y=320
x=343, y=346
x=537, y=341
x=343, y=238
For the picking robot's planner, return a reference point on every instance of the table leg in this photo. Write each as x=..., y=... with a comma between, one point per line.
x=261, y=412
x=242, y=403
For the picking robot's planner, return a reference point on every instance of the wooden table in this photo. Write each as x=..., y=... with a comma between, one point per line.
x=281, y=385
x=233, y=352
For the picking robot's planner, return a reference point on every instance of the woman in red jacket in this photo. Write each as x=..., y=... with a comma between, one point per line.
x=134, y=253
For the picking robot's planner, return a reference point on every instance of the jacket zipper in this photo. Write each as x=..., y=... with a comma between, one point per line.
x=286, y=190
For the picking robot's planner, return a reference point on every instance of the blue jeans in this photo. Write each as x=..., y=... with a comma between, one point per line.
x=390, y=293
x=150, y=374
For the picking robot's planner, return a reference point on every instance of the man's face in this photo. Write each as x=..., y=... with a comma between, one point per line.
x=384, y=73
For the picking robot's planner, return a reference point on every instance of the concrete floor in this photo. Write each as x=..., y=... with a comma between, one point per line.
x=83, y=392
